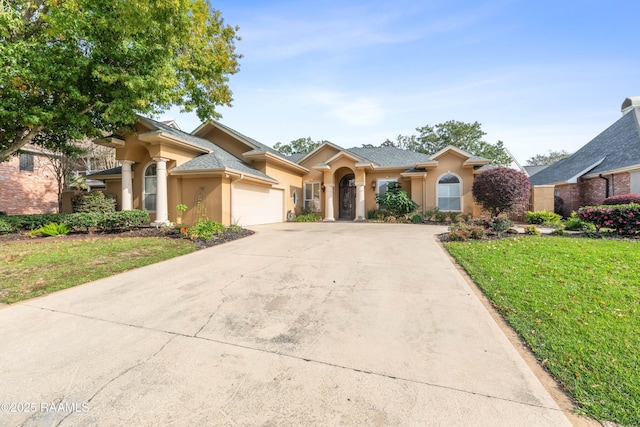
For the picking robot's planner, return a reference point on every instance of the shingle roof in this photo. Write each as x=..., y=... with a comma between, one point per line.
x=187, y=137
x=617, y=147
x=218, y=159
x=532, y=170
x=112, y=171
x=390, y=156
x=258, y=146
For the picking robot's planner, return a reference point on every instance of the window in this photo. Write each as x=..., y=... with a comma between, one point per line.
x=383, y=186
x=312, y=196
x=449, y=192
x=26, y=162
x=150, y=185
x=635, y=182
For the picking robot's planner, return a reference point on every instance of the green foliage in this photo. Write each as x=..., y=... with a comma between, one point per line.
x=308, y=218
x=372, y=213
x=531, y=230
x=439, y=216
x=460, y=232
x=558, y=232
x=574, y=223
x=79, y=67
x=622, y=199
x=544, y=218
x=123, y=220
x=31, y=222
x=417, y=218
x=395, y=200
x=497, y=224
x=453, y=216
x=428, y=214
x=205, y=230
x=547, y=159
x=52, y=229
x=501, y=190
x=6, y=227
x=95, y=201
x=300, y=145
x=181, y=208
x=623, y=219
x=465, y=136
x=83, y=221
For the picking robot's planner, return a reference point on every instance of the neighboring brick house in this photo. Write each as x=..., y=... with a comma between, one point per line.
x=28, y=184
x=608, y=165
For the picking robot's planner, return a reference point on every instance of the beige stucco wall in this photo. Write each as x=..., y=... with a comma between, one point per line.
x=450, y=162
x=542, y=198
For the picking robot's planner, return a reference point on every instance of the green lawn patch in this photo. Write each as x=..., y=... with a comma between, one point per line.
x=576, y=303
x=30, y=269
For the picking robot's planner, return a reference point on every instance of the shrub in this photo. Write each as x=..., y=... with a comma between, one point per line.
x=622, y=199
x=417, y=218
x=544, y=218
x=439, y=216
x=95, y=201
x=308, y=218
x=501, y=189
x=52, y=229
x=205, y=229
x=6, y=227
x=623, y=219
x=123, y=220
x=372, y=213
x=396, y=201
x=531, y=230
x=460, y=232
x=574, y=223
x=453, y=216
x=428, y=214
x=558, y=232
x=83, y=221
x=498, y=224
x=31, y=222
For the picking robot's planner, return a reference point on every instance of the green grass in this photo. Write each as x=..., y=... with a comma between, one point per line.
x=30, y=269
x=576, y=303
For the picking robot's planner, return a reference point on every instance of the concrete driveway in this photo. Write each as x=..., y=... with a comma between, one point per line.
x=300, y=324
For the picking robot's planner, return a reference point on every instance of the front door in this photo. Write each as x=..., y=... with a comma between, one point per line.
x=347, y=197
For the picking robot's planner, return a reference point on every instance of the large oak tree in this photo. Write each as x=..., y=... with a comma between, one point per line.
x=70, y=68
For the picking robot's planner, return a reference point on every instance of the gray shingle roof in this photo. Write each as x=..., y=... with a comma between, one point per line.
x=390, y=156
x=112, y=171
x=258, y=146
x=187, y=137
x=617, y=147
x=219, y=159
x=532, y=170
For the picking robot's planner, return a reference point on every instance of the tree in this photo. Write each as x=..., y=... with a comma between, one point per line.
x=395, y=200
x=465, y=136
x=300, y=145
x=500, y=190
x=76, y=68
x=62, y=164
x=548, y=159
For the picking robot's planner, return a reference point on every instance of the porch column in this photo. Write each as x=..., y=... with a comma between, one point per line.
x=328, y=203
x=360, y=202
x=162, y=207
x=127, y=185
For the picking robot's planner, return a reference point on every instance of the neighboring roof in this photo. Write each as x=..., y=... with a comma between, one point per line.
x=112, y=171
x=390, y=156
x=618, y=147
x=532, y=170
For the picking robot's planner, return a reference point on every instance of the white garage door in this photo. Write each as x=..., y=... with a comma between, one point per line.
x=252, y=204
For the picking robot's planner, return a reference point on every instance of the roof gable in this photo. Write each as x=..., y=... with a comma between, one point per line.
x=617, y=147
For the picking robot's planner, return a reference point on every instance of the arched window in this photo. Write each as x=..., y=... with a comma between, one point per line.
x=449, y=193
x=150, y=186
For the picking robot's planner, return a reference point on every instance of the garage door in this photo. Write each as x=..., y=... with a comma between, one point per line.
x=253, y=204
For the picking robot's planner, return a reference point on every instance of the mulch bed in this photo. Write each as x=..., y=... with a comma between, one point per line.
x=168, y=233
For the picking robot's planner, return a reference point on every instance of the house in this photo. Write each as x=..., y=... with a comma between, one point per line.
x=608, y=165
x=28, y=184
x=235, y=179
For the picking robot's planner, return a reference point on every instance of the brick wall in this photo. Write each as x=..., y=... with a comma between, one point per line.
x=23, y=192
x=593, y=190
x=570, y=194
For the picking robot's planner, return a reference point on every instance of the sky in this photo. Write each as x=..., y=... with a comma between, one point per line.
x=538, y=75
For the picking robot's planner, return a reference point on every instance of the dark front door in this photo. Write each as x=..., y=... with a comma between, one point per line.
x=348, y=197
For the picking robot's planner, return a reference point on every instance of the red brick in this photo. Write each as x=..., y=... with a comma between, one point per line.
x=23, y=192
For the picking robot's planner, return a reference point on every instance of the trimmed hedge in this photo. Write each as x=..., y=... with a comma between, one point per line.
x=95, y=201
x=82, y=221
x=624, y=219
x=543, y=218
x=622, y=199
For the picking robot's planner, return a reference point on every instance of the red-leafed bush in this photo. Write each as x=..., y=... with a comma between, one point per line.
x=501, y=190
x=622, y=199
x=624, y=219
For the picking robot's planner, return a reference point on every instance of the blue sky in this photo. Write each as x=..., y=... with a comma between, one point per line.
x=543, y=75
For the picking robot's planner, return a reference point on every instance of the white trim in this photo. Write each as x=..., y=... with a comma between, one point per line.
x=144, y=186
x=574, y=178
x=438, y=191
x=304, y=194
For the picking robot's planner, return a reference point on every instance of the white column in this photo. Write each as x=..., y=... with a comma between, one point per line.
x=162, y=206
x=360, y=202
x=328, y=203
x=127, y=186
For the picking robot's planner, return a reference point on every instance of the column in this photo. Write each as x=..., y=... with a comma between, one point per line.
x=127, y=186
x=328, y=203
x=360, y=202
x=162, y=206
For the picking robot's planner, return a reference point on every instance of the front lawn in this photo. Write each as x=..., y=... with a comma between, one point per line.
x=32, y=268
x=576, y=303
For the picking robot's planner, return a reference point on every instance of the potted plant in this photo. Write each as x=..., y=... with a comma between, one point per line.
x=180, y=208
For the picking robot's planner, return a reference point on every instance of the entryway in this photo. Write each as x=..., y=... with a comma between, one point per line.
x=347, y=199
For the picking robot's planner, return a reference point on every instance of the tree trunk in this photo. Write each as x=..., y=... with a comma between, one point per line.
x=26, y=137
